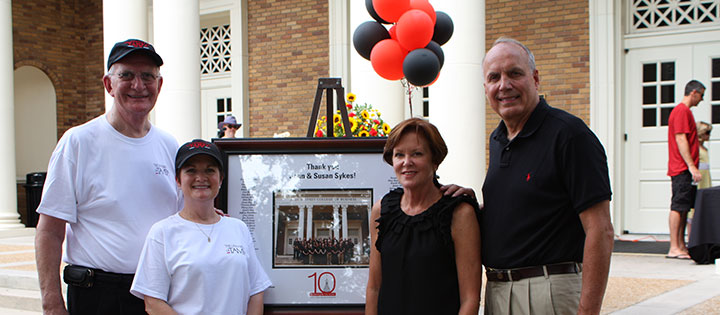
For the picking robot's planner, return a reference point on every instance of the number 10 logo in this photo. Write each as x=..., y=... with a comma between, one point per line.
x=325, y=283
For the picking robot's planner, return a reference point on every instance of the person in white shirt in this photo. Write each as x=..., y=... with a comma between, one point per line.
x=108, y=181
x=197, y=261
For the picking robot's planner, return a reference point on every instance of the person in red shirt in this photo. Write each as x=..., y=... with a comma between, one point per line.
x=683, y=166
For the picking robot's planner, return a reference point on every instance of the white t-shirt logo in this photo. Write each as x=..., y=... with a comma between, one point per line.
x=234, y=249
x=161, y=169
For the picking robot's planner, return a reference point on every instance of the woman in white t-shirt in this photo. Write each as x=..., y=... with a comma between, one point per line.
x=197, y=261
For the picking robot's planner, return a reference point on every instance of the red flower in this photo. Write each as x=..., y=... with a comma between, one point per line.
x=373, y=132
x=349, y=106
x=377, y=122
x=351, y=114
x=319, y=133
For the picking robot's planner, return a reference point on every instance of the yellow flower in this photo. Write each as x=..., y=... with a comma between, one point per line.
x=337, y=118
x=365, y=114
x=354, y=125
x=386, y=128
x=351, y=97
x=363, y=133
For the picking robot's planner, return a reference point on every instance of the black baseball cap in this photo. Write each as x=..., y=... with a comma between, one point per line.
x=195, y=147
x=124, y=48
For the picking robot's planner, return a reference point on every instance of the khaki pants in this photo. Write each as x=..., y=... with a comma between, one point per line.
x=555, y=294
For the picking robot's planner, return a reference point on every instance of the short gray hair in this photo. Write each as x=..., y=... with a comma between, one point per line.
x=531, y=57
x=693, y=85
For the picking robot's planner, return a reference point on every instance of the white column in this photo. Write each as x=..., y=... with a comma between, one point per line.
x=336, y=221
x=457, y=99
x=122, y=19
x=605, y=70
x=340, y=39
x=9, y=217
x=301, y=222
x=386, y=96
x=344, y=222
x=309, y=222
x=177, y=40
x=277, y=223
x=239, y=56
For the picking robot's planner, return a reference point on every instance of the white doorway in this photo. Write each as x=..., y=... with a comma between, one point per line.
x=355, y=236
x=217, y=103
x=291, y=233
x=655, y=80
x=35, y=121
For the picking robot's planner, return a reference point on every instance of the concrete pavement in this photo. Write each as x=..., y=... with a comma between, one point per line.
x=639, y=283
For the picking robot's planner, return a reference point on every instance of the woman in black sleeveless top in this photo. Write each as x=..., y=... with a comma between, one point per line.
x=426, y=253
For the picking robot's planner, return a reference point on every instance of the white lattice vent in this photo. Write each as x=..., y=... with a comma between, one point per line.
x=655, y=15
x=215, y=50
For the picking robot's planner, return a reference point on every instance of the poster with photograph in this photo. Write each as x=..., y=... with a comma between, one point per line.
x=309, y=213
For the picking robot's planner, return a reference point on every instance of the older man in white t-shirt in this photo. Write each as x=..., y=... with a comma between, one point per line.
x=108, y=181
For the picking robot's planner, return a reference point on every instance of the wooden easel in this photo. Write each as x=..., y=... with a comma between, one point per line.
x=329, y=84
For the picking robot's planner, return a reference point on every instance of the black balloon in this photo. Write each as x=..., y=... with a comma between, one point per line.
x=443, y=28
x=371, y=9
x=435, y=47
x=421, y=66
x=367, y=35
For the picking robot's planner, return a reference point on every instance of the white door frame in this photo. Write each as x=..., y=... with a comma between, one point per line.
x=646, y=155
x=209, y=110
x=607, y=88
x=685, y=45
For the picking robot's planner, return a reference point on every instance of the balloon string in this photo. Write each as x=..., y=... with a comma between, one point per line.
x=409, y=93
x=409, y=88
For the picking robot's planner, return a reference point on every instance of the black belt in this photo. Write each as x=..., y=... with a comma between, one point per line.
x=88, y=277
x=111, y=277
x=531, y=272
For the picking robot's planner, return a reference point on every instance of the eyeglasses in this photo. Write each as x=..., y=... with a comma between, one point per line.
x=128, y=76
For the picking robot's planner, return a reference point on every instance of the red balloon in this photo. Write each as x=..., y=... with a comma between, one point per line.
x=392, y=33
x=387, y=58
x=425, y=6
x=414, y=29
x=390, y=10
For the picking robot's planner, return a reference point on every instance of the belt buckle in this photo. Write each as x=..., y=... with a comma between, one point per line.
x=503, y=274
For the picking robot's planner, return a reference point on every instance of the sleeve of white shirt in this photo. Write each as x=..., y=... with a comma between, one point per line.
x=152, y=277
x=59, y=198
x=259, y=280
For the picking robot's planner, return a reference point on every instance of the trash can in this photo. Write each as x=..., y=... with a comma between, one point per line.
x=33, y=191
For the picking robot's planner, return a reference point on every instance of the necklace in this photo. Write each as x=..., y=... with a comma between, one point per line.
x=203, y=232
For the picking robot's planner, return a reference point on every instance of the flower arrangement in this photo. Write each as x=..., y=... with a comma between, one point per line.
x=365, y=120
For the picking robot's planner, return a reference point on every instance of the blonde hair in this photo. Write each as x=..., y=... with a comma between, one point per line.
x=703, y=128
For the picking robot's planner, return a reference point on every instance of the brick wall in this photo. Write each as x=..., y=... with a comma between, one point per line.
x=288, y=51
x=557, y=32
x=63, y=38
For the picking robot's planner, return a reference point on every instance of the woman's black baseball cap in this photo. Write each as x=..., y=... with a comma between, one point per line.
x=195, y=147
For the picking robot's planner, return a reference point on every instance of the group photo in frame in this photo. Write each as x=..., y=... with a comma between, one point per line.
x=307, y=203
x=320, y=227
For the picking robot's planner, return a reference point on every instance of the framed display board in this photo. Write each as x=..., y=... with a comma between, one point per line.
x=307, y=202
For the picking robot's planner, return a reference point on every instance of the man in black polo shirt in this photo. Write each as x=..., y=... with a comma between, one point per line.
x=546, y=230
